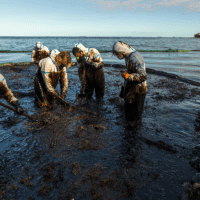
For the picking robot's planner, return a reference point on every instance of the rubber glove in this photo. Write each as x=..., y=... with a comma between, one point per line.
x=125, y=75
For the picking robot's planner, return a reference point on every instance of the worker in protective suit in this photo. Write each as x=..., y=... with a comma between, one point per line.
x=135, y=85
x=39, y=52
x=8, y=95
x=90, y=71
x=49, y=71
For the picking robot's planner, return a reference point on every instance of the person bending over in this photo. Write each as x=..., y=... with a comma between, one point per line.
x=39, y=52
x=135, y=85
x=90, y=71
x=8, y=95
x=50, y=70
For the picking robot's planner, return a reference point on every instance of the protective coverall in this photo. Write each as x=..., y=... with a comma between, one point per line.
x=39, y=52
x=135, y=85
x=8, y=95
x=47, y=78
x=90, y=71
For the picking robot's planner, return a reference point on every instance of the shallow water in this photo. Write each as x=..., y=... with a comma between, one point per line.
x=90, y=151
x=183, y=64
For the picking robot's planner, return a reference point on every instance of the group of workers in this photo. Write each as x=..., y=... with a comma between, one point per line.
x=52, y=66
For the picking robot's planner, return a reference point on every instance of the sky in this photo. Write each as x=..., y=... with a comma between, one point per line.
x=103, y=18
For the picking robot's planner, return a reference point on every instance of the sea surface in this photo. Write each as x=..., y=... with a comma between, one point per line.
x=184, y=64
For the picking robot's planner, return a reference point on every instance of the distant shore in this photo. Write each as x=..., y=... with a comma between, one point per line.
x=107, y=51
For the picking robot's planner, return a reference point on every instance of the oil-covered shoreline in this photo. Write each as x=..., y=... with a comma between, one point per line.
x=89, y=150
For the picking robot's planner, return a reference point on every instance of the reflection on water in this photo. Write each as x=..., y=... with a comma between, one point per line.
x=183, y=64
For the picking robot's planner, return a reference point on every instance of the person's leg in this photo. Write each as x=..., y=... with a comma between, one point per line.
x=86, y=78
x=80, y=73
x=121, y=94
x=130, y=108
x=99, y=83
x=140, y=104
x=89, y=81
x=141, y=90
x=133, y=103
x=40, y=95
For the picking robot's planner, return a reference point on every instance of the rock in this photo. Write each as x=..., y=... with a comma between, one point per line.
x=197, y=35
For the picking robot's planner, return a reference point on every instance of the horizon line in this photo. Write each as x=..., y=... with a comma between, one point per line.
x=105, y=36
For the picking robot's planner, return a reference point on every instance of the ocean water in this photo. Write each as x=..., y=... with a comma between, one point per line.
x=184, y=64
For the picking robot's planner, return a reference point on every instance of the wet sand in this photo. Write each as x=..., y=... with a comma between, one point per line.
x=89, y=150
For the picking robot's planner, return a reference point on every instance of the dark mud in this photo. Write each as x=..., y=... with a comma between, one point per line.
x=89, y=150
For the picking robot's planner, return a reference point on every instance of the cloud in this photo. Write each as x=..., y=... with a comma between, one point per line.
x=194, y=6
x=115, y=5
x=146, y=5
x=189, y=5
x=167, y=3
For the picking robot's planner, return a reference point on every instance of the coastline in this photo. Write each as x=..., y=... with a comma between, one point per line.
x=107, y=51
x=148, y=70
x=92, y=145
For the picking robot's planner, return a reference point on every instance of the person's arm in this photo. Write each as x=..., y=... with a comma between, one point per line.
x=96, y=65
x=97, y=60
x=33, y=55
x=136, y=63
x=140, y=76
x=46, y=74
x=43, y=54
x=40, y=64
x=63, y=82
x=9, y=96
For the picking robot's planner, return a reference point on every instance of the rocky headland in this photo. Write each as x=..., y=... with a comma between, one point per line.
x=197, y=35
